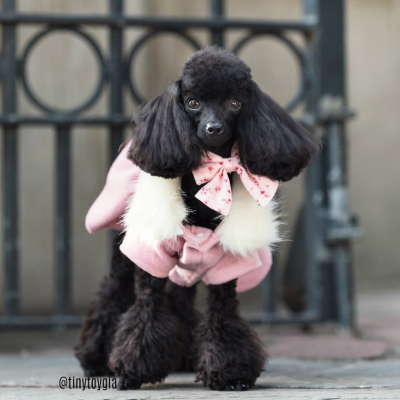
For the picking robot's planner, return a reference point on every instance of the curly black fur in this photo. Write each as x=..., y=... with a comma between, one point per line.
x=146, y=345
x=229, y=355
x=115, y=296
x=144, y=340
x=182, y=303
x=164, y=143
x=271, y=142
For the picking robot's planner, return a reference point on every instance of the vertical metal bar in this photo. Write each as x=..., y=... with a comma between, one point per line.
x=313, y=240
x=268, y=291
x=344, y=286
x=330, y=84
x=311, y=10
x=331, y=56
x=116, y=8
x=313, y=192
x=340, y=214
x=10, y=169
x=333, y=85
x=217, y=10
x=62, y=222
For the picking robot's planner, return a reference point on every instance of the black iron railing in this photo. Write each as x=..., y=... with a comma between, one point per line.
x=316, y=288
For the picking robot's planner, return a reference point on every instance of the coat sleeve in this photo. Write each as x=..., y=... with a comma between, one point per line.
x=157, y=260
x=108, y=208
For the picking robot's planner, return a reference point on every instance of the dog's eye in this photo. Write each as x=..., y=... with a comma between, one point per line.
x=193, y=104
x=234, y=104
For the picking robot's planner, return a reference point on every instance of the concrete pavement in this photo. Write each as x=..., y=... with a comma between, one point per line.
x=321, y=365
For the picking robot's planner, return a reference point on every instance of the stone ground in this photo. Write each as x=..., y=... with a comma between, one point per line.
x=324, y=364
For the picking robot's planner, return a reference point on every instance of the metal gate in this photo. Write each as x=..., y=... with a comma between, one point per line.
x=317, y=282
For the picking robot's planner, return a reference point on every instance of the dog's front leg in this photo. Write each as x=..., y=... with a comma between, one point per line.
x=182, y=302
x=228, y=352
x=115, y=296
x=146, y=341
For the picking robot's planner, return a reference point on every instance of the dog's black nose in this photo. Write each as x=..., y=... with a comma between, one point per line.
x=214, y=128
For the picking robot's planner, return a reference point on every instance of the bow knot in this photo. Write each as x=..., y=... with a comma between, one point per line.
x=217, y=193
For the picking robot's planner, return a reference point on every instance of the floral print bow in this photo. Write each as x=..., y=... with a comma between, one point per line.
x=217, y=193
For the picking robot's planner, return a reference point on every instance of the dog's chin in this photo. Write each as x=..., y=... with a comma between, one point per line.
x=215, y=142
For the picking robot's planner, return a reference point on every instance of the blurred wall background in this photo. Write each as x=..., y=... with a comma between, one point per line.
x=63, y=72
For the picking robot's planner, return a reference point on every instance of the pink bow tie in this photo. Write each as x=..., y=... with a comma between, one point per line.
x=217, y=194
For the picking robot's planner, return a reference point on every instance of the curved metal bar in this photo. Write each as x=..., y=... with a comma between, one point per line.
x=300, y=92
x=132, y=86
x=97, y=90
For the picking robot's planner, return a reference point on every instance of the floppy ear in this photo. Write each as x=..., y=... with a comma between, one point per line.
x=271, y=142
x=164, y=140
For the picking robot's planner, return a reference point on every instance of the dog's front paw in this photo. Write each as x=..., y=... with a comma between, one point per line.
x=221, y=376
x=237, y=385
x=144, y=348
x=229, y=356
x=126, y=383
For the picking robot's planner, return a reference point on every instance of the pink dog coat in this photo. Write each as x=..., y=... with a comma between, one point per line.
x=196, y=253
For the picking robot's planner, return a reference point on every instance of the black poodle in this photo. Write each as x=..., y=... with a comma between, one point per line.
x=142, y=331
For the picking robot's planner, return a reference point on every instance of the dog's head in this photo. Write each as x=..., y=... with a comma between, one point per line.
x=213, y=104
x=213, y=89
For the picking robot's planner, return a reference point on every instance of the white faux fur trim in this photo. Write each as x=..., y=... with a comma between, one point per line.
x=249, y=226
x=157, y=210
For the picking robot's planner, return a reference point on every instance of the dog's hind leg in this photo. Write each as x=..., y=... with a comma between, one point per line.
x=115, y=296
x=146, y=344
x=229, y=354
x=182, y=302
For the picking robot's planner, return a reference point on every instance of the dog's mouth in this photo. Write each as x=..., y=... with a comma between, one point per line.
x=214, y=141
x=223, y=147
